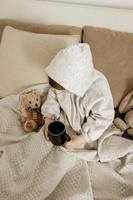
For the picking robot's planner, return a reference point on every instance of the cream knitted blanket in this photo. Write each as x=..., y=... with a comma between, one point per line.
x=33, y=169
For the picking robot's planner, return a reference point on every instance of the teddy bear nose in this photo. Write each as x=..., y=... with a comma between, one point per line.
x=36, y=104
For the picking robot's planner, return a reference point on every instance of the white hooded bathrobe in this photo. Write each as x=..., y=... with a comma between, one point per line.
x=86, y=103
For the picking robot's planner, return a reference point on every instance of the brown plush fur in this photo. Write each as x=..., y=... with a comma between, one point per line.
x=126, y=108
x=30, y=103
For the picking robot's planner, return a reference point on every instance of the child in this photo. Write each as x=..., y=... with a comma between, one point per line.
x=78, y=93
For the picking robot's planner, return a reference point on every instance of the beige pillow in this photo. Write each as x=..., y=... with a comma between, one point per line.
x=24, y=55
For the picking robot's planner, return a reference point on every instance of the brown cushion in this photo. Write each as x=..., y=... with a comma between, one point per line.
x=40, y=28
x=113, y=55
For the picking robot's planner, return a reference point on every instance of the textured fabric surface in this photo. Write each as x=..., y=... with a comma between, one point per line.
x=33, y=169
x=112, y=54
x=24, y=55
x=72, y=68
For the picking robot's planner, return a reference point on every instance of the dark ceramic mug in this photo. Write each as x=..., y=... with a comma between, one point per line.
x=57, y=133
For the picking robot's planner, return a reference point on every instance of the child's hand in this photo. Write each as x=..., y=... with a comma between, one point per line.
x=75, y=142
x=47, y=122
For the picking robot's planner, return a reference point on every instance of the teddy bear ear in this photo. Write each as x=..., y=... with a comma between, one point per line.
x=35, y=91
x=23, y=98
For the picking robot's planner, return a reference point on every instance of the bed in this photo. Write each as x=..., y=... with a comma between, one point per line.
x=33, y=167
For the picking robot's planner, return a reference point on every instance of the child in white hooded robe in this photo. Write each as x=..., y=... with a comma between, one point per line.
x=79, y=94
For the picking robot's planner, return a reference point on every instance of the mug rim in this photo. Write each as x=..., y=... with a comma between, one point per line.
x=59, y=133
x=56, y=134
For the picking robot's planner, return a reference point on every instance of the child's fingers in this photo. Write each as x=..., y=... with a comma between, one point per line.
x=75, y=142
x=69, y=145
x=46, y=136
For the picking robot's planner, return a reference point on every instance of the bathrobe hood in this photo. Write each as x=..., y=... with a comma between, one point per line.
x=72, y=68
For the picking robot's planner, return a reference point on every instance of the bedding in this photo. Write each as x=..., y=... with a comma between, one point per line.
x=33, y=169
x=24, y=55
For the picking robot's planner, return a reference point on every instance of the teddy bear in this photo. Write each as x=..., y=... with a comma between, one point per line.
x=124, y=115
x=30, y=103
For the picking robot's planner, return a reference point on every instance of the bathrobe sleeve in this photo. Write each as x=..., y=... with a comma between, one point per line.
x=99, y=110
x=50, y=107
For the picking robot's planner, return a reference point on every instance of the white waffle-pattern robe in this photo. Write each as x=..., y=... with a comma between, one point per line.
x=86, y=102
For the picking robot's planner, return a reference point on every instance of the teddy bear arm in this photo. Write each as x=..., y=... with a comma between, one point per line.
x=24, y=112
x=119, y=123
